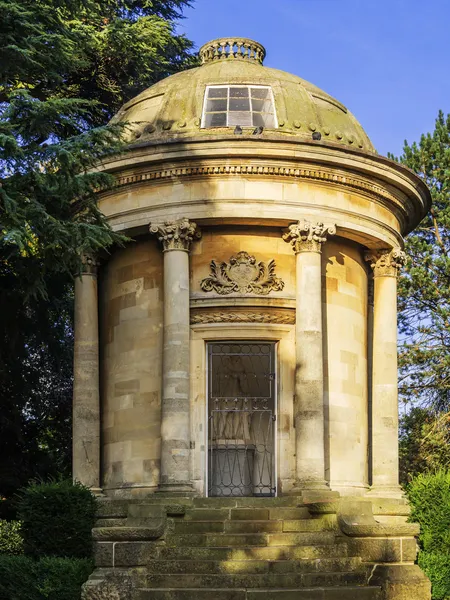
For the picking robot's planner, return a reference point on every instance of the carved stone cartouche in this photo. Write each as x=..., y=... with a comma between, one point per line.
x=242, y=275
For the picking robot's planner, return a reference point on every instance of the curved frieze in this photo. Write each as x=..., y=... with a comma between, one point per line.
x=286, y=317
x=260, y=170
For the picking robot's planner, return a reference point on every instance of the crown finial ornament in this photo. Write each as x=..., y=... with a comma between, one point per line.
x=232, y=48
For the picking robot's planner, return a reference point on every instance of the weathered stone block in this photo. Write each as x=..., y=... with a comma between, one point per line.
x=103, y=554
x=133, y=554
x=402, y=582
x=375, y=549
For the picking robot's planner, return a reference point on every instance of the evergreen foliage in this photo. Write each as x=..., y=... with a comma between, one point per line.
x=424, y=290
x=424, y=311
x=65, y=68
x=51, y=578
x=424, y=442
x=11, y=541
x=429, y=495
x=57, y=519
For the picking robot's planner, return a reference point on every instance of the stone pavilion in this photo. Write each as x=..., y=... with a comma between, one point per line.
x=235, y=387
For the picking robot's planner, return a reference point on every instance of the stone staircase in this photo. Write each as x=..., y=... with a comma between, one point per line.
x=318, y=546
x=248, y=548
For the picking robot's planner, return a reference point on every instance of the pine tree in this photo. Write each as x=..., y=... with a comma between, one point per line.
x=424, y=308
x=65, y=68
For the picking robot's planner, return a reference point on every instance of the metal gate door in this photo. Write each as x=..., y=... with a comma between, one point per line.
x=241, y=405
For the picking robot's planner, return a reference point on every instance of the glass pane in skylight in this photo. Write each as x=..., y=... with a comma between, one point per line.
x=239, y=92
x=216, y=120
x=218, y=92
x=240, y=118
x=239, y=104
x=261, y=93
x=216, y=106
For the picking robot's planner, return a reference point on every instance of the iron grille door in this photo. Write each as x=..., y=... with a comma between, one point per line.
x=241, y=405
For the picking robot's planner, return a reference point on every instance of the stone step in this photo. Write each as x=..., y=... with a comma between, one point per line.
x=246, y=526
x=254, y=553
x=242, y=502
x=255, y=581
x=323, y=593
x=247, y=514
x=250, y=539
x=252, y=566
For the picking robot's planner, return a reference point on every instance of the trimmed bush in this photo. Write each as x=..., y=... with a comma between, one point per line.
x=437, y=567
x=11, y=541
x=57, y=519
x=429, y=495
x=51, y=578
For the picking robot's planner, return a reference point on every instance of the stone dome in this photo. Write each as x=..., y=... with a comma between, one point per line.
x=173, y=107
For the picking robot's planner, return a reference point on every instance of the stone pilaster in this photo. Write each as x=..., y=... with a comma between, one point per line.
x=86, y=397
x=307, y=239
x=176, y=238
x=385, y=264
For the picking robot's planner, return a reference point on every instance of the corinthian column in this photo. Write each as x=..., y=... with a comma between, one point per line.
x=385, y=264
x=176, y=238
x=307, y=239
x=86, y=399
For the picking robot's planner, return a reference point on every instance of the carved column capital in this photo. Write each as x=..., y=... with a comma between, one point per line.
x=176, y=235
x=385, y=262
x=89, y=264
x=307, y=236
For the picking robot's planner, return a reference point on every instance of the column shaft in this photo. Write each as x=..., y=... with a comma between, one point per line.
x=86, y=398
x=385, y=385
x=307, y=239
x=385, y=468
x=308, y=410
x=175, y=412
x=176, y=238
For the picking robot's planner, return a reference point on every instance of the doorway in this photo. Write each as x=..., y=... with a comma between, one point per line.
x=241, y=418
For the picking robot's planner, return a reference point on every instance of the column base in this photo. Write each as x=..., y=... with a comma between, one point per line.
x=97, y=492
x=389, y=491
x=175, y=489
x=308, y=486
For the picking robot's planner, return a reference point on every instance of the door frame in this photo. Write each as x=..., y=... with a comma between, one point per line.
x=274, y=391
x=284, y=337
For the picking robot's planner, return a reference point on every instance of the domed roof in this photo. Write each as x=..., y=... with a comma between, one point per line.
x=173, y=107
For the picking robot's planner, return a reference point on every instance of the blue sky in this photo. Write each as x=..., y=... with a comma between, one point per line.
x=387, y=61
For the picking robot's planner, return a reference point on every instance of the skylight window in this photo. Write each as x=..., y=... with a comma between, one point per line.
x=244, y=105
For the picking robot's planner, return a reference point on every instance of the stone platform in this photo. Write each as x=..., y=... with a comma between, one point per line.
x=294, y=547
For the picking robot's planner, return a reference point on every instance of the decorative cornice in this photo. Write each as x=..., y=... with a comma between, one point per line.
x=260, y=170
x=286, y=317
x=385, y=262
x=307, y=236
x=242, y=275
x=176, y=235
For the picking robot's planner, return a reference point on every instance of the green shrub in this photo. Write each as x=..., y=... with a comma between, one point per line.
x=429, y=495
x=57, y=519
x=17, y=578
x=51, y=578
x=11, y=541
x=437, y=566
